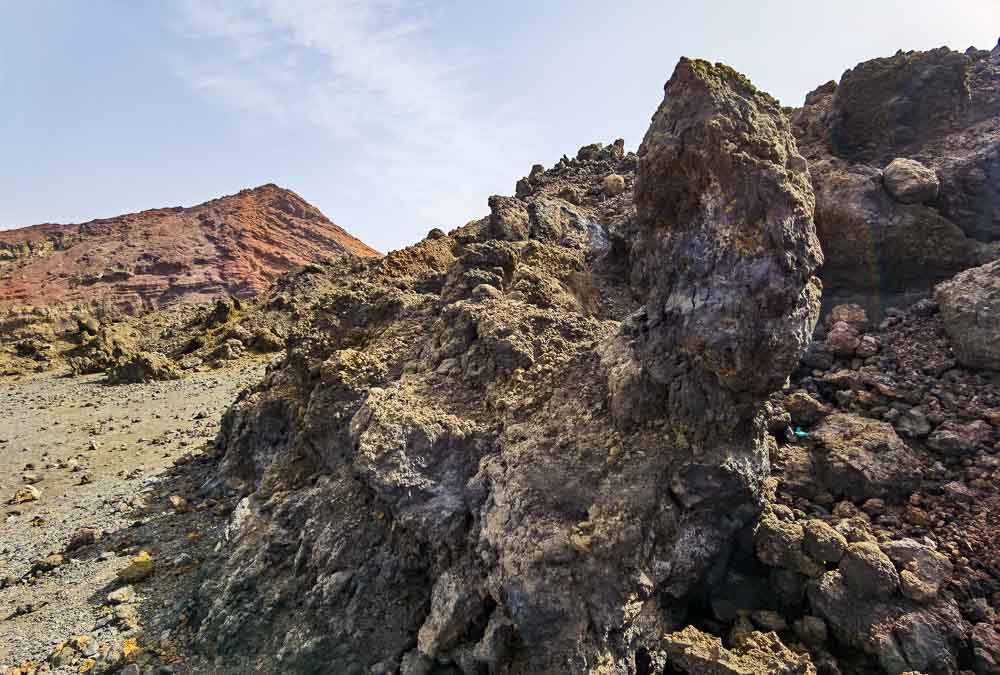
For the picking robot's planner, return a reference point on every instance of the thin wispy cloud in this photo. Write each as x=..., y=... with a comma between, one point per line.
x=366, y=74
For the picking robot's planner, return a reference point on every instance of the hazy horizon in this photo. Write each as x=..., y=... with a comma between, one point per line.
x=391, y=117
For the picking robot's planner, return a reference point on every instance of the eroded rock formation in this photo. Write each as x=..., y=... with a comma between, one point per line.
x=970, y=306
x=904, y=154
x=234, y=245
x=483, y=454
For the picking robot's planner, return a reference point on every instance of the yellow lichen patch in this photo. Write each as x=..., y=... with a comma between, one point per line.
x=130, y=649
x=88, y=665
x=137, y=570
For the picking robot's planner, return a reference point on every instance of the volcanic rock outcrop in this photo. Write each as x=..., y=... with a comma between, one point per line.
x=904, y=155
x=970, y=306
x=521, y=446
x=236, y=245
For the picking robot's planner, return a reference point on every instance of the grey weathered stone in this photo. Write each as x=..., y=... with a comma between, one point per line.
x=910, y=182
x=863, y=458
x=900, y=634
x=955, y=438
x=986, y=649
x=970, y=310
x=868, y=571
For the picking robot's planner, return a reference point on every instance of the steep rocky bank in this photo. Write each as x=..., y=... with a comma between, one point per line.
x=537, y=443
x=522, y=446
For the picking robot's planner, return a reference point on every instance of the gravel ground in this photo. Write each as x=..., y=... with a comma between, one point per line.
x=106, y=459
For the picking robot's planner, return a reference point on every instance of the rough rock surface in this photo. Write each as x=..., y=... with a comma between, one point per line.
x=540, y=442
x=862, y=458
x=970, y=307
x=235, y=245
x=903, y=154
x=910, y=182
x=143, y=367
x=419, y=482
x=920, y=569
x=696, y=653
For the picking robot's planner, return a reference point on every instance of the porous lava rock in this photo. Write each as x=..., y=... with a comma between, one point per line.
x=903, y=154
x=970, y=307
x=694, y=652
x=143, y=367
x=483, y=453
x=861, y=458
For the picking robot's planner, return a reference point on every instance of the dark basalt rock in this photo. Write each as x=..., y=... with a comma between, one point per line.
x=938, y=110
x=516, y=468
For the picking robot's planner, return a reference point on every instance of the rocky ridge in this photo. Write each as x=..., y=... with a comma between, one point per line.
x=235, y=245
x=492, y=417
x=552, y=441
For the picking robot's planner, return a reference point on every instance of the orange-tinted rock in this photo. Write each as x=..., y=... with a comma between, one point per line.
x=234, y=245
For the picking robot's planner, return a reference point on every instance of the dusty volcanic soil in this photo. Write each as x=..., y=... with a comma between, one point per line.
x=106, y=460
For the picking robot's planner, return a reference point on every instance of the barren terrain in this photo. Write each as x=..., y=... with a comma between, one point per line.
x=105, y=459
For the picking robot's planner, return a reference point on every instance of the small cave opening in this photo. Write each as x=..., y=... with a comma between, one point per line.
x=643, y=662
x=477, y=628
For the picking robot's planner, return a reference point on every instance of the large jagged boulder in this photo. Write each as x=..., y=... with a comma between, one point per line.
x=910, y=182
x=901, y=153
x=733, y=310
x=102, y=350
x=719, y=330
x=970, y=309
x=901, y=634
x=482, y=454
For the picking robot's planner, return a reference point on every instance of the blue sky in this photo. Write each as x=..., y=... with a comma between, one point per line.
x=392, y=117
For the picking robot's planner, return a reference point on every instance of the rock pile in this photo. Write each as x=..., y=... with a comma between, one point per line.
x=483, y=454
x=901, y=151
x=887, y=496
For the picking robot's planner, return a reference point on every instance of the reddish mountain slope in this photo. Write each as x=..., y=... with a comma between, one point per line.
x=237, y=245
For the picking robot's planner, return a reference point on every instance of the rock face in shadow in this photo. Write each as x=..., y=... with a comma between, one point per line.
x=931, y=122
x=518, y=447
